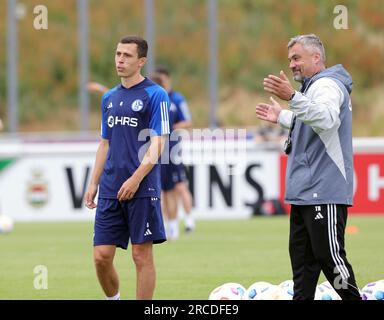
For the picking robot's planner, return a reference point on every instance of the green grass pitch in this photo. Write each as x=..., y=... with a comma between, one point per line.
x=243, y=251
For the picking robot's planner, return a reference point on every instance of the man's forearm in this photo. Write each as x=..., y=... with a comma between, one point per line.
x=321, y=112
x=101, y=156
x=285, y=118
x=151, y=157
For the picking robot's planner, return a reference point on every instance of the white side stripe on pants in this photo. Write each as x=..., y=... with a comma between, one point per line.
x=333, y=244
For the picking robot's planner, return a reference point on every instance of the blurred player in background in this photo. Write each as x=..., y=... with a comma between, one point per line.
x=319, y=177
x=126, y=171
x=270, y=133
x=174, y=180
x=97, y=87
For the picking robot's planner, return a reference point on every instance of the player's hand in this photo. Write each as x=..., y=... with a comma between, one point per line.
x=89, y=197
x=96, y=87
x=128, y=189
x=279, y=86
x=268, y=112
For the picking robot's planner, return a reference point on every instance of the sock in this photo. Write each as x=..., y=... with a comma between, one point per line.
x=166, y=227
x=115, y=297
x=189, y=222
x=173, y=228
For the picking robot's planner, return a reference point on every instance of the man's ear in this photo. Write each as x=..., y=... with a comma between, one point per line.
x=142, y=61
x=316, y=57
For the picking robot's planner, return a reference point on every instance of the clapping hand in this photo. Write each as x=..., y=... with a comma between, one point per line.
x=279, y=86
x=268, y=112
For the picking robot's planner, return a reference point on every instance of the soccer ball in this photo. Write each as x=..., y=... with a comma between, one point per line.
x=286, y=290
x=325, y=291
x=373, y=291
x=6, y=224
x=228, y=291
x=262, y=290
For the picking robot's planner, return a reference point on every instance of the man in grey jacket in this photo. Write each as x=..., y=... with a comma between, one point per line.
x=319, y=177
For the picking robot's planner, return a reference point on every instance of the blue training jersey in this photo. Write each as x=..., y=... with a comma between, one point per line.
x=130, y=116
x=178, y=112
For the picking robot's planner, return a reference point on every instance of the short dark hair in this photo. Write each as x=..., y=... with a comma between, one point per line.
x=142, y=45
x=163, y=70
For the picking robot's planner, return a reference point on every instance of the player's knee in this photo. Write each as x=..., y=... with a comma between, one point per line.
x=181, y=188
x=142, y=256
x=102, y=258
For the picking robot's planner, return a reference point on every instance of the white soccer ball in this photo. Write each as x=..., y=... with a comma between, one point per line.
x=286, y=290
x=373, y=291
x=262, y=290
x=228, y=291
x=325, y=291
x=6, y=223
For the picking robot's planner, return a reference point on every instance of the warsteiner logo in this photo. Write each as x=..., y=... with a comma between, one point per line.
x=123, y=121
x=37, y=190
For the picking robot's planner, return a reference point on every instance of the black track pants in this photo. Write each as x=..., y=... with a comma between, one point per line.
x=316, y=243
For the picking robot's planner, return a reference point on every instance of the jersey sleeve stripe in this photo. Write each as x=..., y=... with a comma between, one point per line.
x=167, y=113
x=164, y=118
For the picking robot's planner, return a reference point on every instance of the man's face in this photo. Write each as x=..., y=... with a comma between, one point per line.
x=166, y=82
x=302, y=62
x=127, y=61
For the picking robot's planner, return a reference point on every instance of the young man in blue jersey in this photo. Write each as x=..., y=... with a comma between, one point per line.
x=126, y=173
x=319, y=177
x=173, y=176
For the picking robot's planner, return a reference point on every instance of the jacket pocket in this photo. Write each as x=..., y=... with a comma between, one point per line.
x=298, y=179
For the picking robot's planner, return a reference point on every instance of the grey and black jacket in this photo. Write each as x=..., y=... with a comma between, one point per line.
x=320, y=164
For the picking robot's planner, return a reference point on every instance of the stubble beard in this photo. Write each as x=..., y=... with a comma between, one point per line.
x=298, y=77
